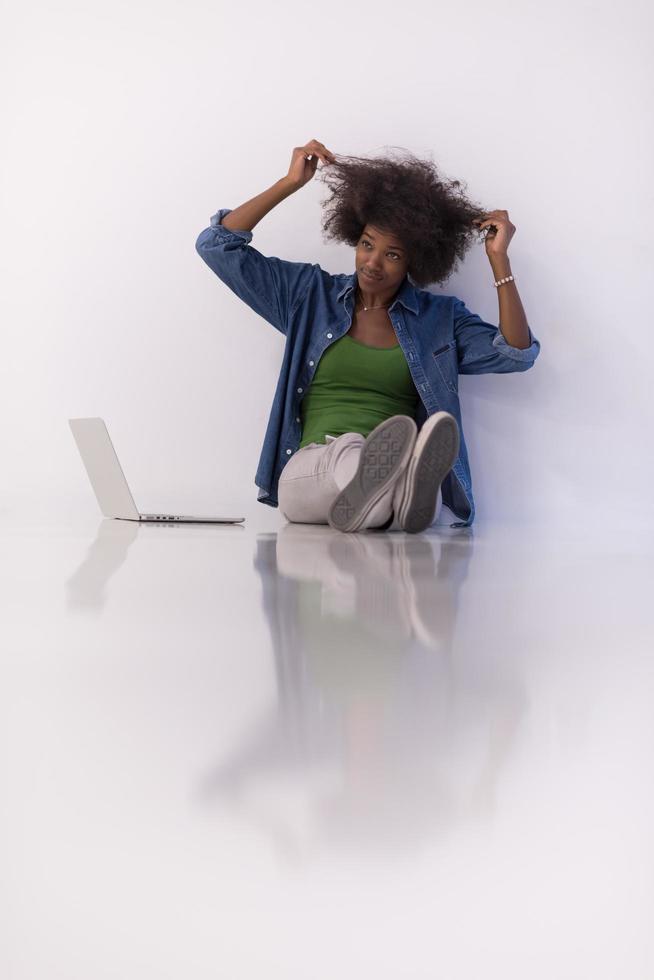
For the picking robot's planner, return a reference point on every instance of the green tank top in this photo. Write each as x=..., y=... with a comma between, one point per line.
x=356, y=387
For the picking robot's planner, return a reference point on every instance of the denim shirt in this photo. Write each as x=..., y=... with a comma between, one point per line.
x=440, y=338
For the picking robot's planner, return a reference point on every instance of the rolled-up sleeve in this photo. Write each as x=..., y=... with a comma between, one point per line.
x=482, y=349
x=272, y=287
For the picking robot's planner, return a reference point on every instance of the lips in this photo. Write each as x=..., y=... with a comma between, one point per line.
x=374, y=278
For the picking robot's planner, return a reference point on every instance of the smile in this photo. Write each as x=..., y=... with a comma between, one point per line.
x=368, y=276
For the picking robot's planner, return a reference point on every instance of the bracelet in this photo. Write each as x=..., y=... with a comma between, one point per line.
x=506, y=279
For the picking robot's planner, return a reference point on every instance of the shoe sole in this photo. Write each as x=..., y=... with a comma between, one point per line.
x=384, y=455
x=434, y=455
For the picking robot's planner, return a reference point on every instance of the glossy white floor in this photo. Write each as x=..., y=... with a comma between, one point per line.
x=277, y=751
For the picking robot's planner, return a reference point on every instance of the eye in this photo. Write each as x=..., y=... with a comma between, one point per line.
x=364, y=242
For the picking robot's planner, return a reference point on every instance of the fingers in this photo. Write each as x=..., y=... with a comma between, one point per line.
x=490, y=214
x=494, y=219
x=316, y=149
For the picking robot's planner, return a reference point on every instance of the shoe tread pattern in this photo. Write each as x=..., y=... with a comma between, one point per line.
x=436, y=460
x=381, y=460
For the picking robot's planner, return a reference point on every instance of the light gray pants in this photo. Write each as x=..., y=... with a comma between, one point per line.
x=316, y=474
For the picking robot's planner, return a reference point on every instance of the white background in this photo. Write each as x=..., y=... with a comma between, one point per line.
x=126, y=125
x=303, y=755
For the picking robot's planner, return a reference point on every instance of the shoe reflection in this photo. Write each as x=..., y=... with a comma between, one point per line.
x=380, y=736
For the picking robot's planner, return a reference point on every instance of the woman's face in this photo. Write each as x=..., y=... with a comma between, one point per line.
x=383, y=256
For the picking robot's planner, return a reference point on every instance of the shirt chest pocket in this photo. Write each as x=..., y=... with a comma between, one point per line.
x=446, y=361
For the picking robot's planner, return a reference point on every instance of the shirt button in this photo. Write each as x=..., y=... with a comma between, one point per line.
x=310, y=363
x=298, y=419
x=300, y=390
x=329, y=336
x=288, y=452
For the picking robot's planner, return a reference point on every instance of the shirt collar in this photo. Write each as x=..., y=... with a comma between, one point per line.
x=406, y=295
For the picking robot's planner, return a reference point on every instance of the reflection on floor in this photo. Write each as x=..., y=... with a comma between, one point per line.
x=369, y=700
x=227, y=748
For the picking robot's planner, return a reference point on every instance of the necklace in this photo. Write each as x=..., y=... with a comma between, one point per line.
x=366, y=308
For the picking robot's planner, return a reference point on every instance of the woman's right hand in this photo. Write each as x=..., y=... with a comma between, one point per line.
x=302, y=168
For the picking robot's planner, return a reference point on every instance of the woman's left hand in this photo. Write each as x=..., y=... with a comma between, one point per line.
x=500, y=232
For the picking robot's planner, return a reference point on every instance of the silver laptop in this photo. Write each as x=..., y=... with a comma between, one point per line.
x=108, y=480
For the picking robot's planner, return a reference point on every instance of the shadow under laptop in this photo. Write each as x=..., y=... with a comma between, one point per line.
x=86, y=588
x=380, y=735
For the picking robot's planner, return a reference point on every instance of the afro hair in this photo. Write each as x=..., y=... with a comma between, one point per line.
x=408, y=198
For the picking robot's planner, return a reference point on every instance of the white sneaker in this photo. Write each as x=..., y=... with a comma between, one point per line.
x=384, y=455
x=434, y=454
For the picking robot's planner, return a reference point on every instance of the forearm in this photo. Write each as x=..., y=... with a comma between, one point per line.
x=513, y=322
x=245, y=217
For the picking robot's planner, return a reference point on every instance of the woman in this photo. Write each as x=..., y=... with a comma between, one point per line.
x=365, y=426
